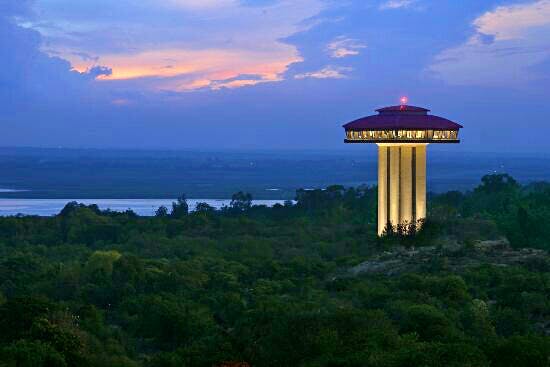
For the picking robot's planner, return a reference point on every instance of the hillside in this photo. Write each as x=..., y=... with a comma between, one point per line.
x=307, y=285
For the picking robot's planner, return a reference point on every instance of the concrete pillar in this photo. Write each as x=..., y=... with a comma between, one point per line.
x=382, y=188
x=401, y=184
x=395, y=174
x=420, y=182
x=406, y=185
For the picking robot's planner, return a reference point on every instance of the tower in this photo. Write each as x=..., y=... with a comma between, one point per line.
x=402, y=134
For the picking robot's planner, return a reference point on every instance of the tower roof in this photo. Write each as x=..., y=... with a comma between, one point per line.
x=402, y=109
x=402, y=118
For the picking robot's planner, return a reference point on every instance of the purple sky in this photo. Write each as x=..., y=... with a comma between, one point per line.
x=270, y=74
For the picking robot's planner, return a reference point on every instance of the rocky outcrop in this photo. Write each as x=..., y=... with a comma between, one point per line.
x=451, y=256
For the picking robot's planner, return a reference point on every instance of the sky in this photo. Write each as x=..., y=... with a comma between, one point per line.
x=269, y=74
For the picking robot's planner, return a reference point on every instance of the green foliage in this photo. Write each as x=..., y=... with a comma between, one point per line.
x=429, y=323
x=241, y=202
x=272, y=286
x=23, y=353
x=161, y=212
x=180, y=208
x=520, y=351
x=38, y=333
x=102, y=262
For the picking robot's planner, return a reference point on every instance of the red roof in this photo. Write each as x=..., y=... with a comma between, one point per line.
x=402, y=117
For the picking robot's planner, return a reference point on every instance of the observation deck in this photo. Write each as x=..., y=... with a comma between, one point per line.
x=401, y=125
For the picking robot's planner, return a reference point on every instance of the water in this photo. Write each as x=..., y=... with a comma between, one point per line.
x=143, y=207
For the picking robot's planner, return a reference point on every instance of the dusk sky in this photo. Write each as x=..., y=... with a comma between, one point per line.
x=269, y=74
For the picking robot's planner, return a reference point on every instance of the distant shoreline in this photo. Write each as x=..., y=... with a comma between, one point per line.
x=45, y=173
x=142, y=207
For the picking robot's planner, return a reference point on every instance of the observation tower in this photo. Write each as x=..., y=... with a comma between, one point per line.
x=402, y=134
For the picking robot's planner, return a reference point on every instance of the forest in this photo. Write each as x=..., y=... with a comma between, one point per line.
x=306, y=284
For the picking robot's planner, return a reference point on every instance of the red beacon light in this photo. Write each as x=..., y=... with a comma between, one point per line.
x=404, y=100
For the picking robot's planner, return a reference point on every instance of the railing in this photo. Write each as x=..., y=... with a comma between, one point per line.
x=397, y=135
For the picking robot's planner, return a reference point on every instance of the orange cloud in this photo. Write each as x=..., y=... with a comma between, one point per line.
x=218, y=43
x=189, y=69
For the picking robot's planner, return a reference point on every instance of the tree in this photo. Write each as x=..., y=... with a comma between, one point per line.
x=18, y=314
x=24, y=353
x=241, y=201
x=74, y=206
x=102, y=262
x=180, y=208
x=521, y=351
x=428, y=322
x=498, y=183
x=528, y=229
x=204, y=208
x=161, y=212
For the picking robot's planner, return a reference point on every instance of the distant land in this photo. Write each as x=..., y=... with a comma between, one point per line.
x=138, y=174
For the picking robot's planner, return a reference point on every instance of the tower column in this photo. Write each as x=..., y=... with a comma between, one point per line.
x=395, y=177
x=383, y=163
x=401, y=184
x=420, y=212
x=406, y=182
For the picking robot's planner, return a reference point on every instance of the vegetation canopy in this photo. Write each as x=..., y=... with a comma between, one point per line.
x=307, y=283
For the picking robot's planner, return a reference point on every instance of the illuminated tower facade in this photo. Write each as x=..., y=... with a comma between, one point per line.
x=402, y=134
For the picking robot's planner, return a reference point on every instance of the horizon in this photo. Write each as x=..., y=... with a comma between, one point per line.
x=53, y=173
x=349, y=149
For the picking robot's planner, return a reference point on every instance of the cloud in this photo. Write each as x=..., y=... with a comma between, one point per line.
x=508, y=45
x=202, y=4
x=197, y=69
x=205, y=42
x=342, y=47
x=84, y=56
x=27, y=73
x=99, y=71
x=397, y=4
x=514, y=21
x=226, y=82
x=328, y=72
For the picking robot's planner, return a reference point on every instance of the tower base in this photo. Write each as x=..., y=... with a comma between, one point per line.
x=401, y=186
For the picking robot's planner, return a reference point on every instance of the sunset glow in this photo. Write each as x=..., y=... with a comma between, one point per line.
x=172, y=69
x=184, y=70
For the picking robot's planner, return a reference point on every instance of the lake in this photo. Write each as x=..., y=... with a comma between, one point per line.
x=143, y=207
